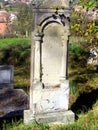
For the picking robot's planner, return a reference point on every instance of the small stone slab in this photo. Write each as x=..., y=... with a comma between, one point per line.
x=11, y=101
x=6, y=76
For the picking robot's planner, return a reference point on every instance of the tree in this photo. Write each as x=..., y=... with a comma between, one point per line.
x=83, y=25
x=23, y=24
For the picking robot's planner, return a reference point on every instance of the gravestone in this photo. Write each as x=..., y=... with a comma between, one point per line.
x=6, y=76
x=12, y=101
x=49, y=90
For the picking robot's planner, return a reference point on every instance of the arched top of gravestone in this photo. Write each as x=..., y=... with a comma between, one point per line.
x=49, y=11
x=51, y=3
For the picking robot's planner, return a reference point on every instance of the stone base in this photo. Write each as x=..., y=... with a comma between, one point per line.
x=60, y=117
x=51, y=99
x=28, y=116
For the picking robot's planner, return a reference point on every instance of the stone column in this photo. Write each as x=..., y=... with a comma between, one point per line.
x=35, y=73
x=64, y=65
x=32, y=73
x=37, y=58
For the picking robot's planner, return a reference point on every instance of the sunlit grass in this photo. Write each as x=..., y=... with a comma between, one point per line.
x=88, y=121
x=7, y=42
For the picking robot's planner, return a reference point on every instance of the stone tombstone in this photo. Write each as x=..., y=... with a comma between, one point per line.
x=49, y=90
x=12, y=101
x=6, y=76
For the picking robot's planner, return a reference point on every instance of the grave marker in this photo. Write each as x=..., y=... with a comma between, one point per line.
x=6, y=76
x=49, y=90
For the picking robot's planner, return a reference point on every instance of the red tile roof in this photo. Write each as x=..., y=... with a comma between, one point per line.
x=4, y=22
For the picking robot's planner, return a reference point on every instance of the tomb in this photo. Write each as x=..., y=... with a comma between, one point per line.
x=12, y=101
x=6, y=76
x=49, y=90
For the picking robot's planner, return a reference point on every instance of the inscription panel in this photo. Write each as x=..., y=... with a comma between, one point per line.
x=52, y=49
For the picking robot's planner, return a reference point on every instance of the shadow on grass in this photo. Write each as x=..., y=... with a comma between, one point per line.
x=11, y=119
x=85, y=102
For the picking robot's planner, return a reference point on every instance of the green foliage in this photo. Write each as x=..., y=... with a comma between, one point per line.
x=78, y=55
x=83, y=25
x=87, y=121
x=12, y=42
x=82, y=77
x=89, y=3
x=16, y=51
x=86, y=28
x=23, y=24
x=76, y=50
x=19, y=125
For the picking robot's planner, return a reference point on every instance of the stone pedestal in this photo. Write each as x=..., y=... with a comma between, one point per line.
x=57, y=117
x=50, y=105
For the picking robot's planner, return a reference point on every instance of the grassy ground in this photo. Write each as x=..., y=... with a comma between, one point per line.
x=83, y=83
x=88, y=121
x=16, y=52
x=6, y=43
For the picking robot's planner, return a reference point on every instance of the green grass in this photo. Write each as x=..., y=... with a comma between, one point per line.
x=16, y=52
x=7, y=42
x=88, y=121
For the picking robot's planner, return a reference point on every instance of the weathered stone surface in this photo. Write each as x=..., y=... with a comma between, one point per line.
x=28, y=116
x=47, y=8
x=49, y=89
x=11, y=101
x=59, y=117
x=51, y=3
x=50, y=100
x=52, y=51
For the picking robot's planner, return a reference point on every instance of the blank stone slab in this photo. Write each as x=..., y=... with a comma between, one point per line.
x=6, y=76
